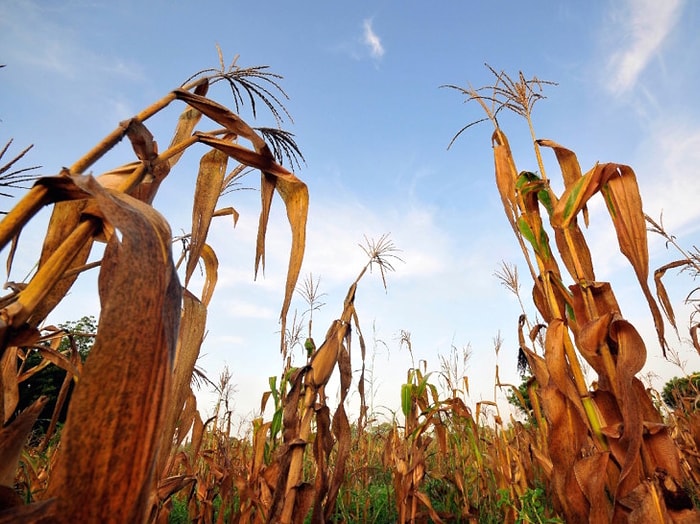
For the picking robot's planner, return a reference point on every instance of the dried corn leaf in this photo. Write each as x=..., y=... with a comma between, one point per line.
x=593, y=300
x=661, y=293
x=212, y=170
x=141, y=140
x=589, y=473
x=537, y=364
x=591, y=339
x=566, y=437
x=425, y=500
x=13, y=437
x=59, y=359
x=10, y=385
x=323, y=361
x=188, y=120
x=575, y=197
x=618, y=185
x=645, y=505
x=211, y=271
x=105, y=466
x=575, y=253
x=663, y=451
x=570, y=241
x=341, y=432
x=64, y=219
x=570, y=168
x=558, y=365
x=44, y=191
x=295, y=195
x=506, y=174
x=625, y=206
x=631, y=356
x=11, y=256
x=191, y=335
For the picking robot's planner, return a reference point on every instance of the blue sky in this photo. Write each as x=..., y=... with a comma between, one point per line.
x=373, y=124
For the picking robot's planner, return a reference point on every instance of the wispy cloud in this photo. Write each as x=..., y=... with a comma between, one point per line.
x=644, y=26
x=672, y=150
x=55, y=47
x=372, y=40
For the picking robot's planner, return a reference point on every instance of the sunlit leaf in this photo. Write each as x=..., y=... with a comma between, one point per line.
x=212, y=170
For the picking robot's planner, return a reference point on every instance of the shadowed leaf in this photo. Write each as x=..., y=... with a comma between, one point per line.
x=13, y=437
x=117, y=411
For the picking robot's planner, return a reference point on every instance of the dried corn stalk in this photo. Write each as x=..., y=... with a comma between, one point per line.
x=133, y=402
x=609, y=447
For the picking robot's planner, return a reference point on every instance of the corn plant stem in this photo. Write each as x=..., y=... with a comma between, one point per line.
x=593, y=312
x=538, y=153
x=19, y=215
x=38, y=196
x=296, y=462
x=50, y=272
x=577, y=373
x=586, y=400
x=115, y=136
x=572, y=357
x=574, y=364
x=578, y=268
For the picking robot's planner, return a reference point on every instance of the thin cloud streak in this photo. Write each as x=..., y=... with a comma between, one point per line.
x=51, y=47
x=669, y=159
x=372, y=40
x=648, y=23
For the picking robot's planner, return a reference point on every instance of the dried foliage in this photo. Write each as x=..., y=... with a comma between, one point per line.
x=609, y=454
x=17, y=178
x=133, y=406
x=135, y=448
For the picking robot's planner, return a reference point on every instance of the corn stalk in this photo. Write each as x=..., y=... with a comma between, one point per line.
x=133, y=404
x=607, y=445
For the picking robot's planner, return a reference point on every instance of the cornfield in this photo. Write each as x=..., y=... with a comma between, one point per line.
x=134, y=447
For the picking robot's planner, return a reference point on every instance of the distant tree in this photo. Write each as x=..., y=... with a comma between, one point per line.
x=683, y=393
x=48, y=381
x=514, y=400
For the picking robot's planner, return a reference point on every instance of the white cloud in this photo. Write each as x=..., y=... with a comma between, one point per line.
x=644, y=25
x=668, y=169
x=372, y=40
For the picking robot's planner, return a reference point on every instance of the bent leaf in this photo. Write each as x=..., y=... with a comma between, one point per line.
x=295, y=196
x=212, y=170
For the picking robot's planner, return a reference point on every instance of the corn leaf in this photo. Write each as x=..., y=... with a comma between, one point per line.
x=190, y=338
x=295, y=195
x=13, y=437
x=115, y=420
x=212, y=170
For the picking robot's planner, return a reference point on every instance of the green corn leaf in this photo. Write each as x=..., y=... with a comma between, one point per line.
x=406, y=398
